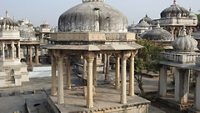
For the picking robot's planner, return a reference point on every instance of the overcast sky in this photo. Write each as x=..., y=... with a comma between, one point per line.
x=39, y=11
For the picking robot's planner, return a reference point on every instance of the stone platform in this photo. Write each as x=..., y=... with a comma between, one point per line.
x=106, y=100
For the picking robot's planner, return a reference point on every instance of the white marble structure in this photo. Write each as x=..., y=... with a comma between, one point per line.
x=12, y=71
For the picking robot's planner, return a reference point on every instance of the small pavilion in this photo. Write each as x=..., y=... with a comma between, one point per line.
x=89, y=30
x=12, y=71
x=183, y=59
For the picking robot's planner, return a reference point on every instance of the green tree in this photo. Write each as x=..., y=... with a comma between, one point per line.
x=147, y=58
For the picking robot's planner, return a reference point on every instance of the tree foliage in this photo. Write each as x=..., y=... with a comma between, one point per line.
x=148, y=58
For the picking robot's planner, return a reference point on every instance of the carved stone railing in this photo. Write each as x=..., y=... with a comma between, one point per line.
x=180, y=57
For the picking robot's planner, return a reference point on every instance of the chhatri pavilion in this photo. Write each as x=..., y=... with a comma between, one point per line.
x=89, y=30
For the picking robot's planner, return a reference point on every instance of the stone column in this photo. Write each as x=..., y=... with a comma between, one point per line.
x=197, y=92
x=117, y=73
x=107, y=68
x=30, y=56
x=177, y=82
x=163, y=81
x=53, y=76
x=69, y=85
x=95, y=71
x=90, y=59
x=131, y=78
x=123, y=86
x=60, y=80
x=182, y=85
x=13, y=50
x=105, y=60
x=3, y=50
x=36, y=55
x=18, y=50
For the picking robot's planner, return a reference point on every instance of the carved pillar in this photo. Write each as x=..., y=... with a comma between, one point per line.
x=90, y=59
x=18, y=50
x=60, y=80
x=197, y=92
x=12, y=50
x=53, y=76
x=117, y=73
x=104, y=62
x=125, y=56
x=163, y=81
x=30, y=56
x=3, y=50
x=107, y=67
x=131, y=78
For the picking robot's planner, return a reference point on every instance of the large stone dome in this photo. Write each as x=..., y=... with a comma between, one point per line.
x=8, y=22
x=93, y=16
x=174, y=11
x=157, y=34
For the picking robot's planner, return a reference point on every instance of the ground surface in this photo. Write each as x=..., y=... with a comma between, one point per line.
x=150, y=85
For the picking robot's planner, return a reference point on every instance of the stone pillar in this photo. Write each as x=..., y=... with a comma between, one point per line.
x=90, y=59
x=104, y=62
x=53, y=76
x=131, y=78
x=163, y=81
x=60, y=80
x=13, y=50
x=30, y=56
x=117, y=73
x=69, y=85
x=177, y=82
x=123, y=86
x=95, y=71
x=18, y=50
x=182, y=85
x=107, y=68
x=36, y=55
x=197, y=92
x=3, y=50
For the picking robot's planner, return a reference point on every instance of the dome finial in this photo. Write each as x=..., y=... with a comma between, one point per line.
x=174, y=1
x=190, y=9
x=6, y=13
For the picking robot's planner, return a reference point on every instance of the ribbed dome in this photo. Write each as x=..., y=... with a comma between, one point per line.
x=93, y=16
x=8, y=21
x=175, y=11
x=184, y=43
x=157, y=34
x=142, y=23
x=147, y=19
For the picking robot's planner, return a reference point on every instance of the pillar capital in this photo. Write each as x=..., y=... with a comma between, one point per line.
x=89, y=56
x=126, y=55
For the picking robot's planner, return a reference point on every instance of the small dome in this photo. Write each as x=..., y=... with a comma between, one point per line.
x=93, y=16
x=157, y=34
x=148, y=20
x=184, y=42
x=142, y=24
x=192, y=15
x=7, y=21
x=175, y=11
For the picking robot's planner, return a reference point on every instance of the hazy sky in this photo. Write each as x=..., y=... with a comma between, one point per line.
x=40, y=10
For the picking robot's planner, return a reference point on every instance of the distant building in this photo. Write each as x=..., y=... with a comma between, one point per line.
x=12, y=71
x=175, y=17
